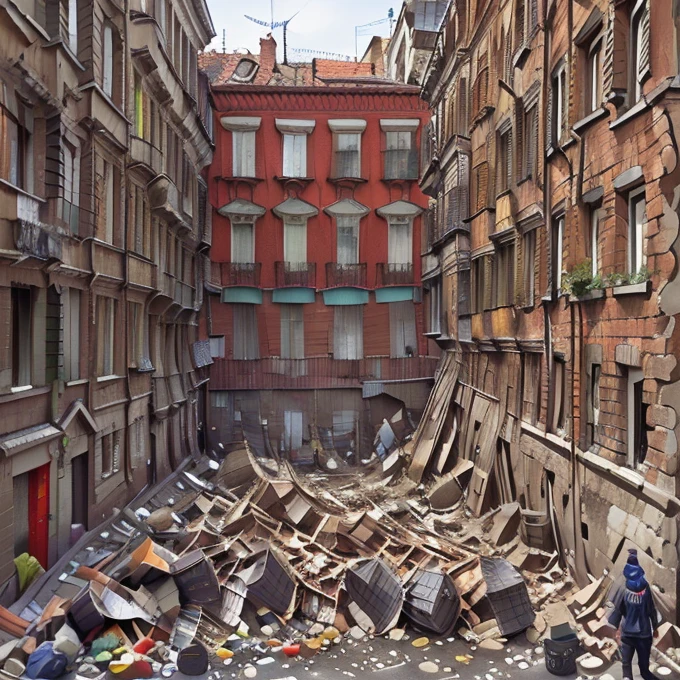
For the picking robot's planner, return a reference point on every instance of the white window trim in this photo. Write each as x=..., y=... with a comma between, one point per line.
x=241, y=123
x=295, y=126
x=240, y=221
x=632, y=233
x=634, y=375
x=347, y=125
x=559, y=254
x=594, y=238
x=399, y=125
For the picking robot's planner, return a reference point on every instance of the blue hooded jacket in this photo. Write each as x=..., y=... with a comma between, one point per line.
x=636, y=606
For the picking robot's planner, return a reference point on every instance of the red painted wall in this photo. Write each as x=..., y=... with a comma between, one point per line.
x=368, y=103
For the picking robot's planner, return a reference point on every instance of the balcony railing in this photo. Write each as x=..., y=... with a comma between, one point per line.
x=340, y=275
x=301, y=274
x=391, y=274
x=401, y=164
x=315, y=372
x=241, y=273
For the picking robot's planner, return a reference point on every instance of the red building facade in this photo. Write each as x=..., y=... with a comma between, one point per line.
x=316, y=259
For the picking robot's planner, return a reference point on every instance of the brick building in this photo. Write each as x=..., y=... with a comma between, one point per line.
x=103, y=235
x=316, y=268
x=551, y=251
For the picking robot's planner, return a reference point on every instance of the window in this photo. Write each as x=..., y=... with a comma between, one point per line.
x=403, y=338
x=529, y=267
x=139, y=106
x=530, y=147
x=16, y=147
x=480, y=183
x=504, y=160
x=531, y=394
x=21, y=336
x=348, y=239
x=503, y=293
x=593, y=404
x=594, y=240
x=71, y=309
x=559, y=395
x=594, y=94
x=639, y=49
x=348, y=332
x=292, y=430
x=435, y=308
x=400, y=241
x=110, y=454
x=217, y=346
x=401, y=160
x=107, y=60
x=71, y=198
x=637, y=418
x=189, y=187
x=292, y=332
x=520, y=10
x=480, y=285
x=246, y=342
x=294, y=155
x=295, y=244
x=106, y=329
x=636, y=226
x=244, y=70
x=160, y=14
x=108, y=186
x=73, y=25
x=557, y=254
x=135, y=335
x=243, y=242
x=347, y=154
x=139, y=221
x=559, y=105
x=243, y=153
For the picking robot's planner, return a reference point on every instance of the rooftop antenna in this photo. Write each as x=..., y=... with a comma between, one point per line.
x=390, y=16
x=361, y=30
x=224, y=41
x=276, y=24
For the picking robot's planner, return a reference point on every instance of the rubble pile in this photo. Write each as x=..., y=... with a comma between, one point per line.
x=241, y=556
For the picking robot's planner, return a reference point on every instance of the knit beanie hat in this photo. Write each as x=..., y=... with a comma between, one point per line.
x=632, y=557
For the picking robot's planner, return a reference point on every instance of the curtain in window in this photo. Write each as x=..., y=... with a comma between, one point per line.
x=348, y=240
x=292, y=332
x=292, y=423
x=398, y=157
x=242, y=243
x=348, y=332
x=246, y=343
x=294, y=155
x=347, y=158
x=244, y=153
x=295, y=245
x=403, y=339
x=399, y=247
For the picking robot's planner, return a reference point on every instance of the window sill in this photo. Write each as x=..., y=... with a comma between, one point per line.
x=588, y=120
x=432, y=334
x=586, y=297
x=643, y=288
x=75, y=383
x=23, y=192
x=108, y=378
x=548, y=436
x=20, y=388
x=632, y=112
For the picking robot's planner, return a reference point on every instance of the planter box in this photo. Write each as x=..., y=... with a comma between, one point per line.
x=643, y=288
x=596, y=294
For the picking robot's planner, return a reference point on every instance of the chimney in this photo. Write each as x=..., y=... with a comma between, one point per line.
x=268, y=54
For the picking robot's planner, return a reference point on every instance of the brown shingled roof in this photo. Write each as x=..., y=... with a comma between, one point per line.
x=219, y=67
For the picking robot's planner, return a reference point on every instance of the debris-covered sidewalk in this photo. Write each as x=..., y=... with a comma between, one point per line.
x=244, y=567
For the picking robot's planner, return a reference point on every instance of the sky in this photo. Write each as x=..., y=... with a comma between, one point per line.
x=322, y=26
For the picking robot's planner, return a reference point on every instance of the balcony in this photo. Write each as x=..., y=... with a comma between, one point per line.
x=146, y=154
x=391, y=274
x=241, y=273
x=344, y=275
x=140, y=271
x=401, y=164
x=295, y=274
x=315, y=372
x=164, y=200
x=184, y=295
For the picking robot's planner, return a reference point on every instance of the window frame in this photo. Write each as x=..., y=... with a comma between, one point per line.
x=108, y=67
x=295, y=158
x=559, y=103
x=356, y=229
x=21, y=334
x=635, y=43
x=594, y=74
x=356, y=164
x=106, y=345
x=557, y=252
x=244, y=149
x=529, y=243
x=635, y=255
x=558, y=420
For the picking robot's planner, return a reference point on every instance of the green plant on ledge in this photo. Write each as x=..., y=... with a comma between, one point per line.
x=580, y=280
x=615, y=279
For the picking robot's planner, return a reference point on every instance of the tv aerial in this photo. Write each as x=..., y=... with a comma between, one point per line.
x=276, y=24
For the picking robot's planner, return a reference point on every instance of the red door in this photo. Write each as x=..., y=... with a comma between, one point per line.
x=39, y=513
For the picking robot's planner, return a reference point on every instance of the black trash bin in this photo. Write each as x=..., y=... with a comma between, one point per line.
x=561, y=651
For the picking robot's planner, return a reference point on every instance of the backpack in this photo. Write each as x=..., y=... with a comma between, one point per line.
x=46, y=663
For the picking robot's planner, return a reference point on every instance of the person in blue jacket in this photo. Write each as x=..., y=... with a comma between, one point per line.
x=636, y=616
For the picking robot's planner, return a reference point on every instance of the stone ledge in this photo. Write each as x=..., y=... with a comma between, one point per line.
x=643, y=288
x=596, y=294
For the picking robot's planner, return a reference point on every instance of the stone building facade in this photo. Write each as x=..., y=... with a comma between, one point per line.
x=551, y=258
x=106, y=129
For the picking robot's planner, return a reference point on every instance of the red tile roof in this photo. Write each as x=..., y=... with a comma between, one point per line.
x=331, y=69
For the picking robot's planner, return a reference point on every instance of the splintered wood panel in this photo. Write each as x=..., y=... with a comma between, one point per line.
x=269, y=328
x=318, y=319
x=376, y=329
